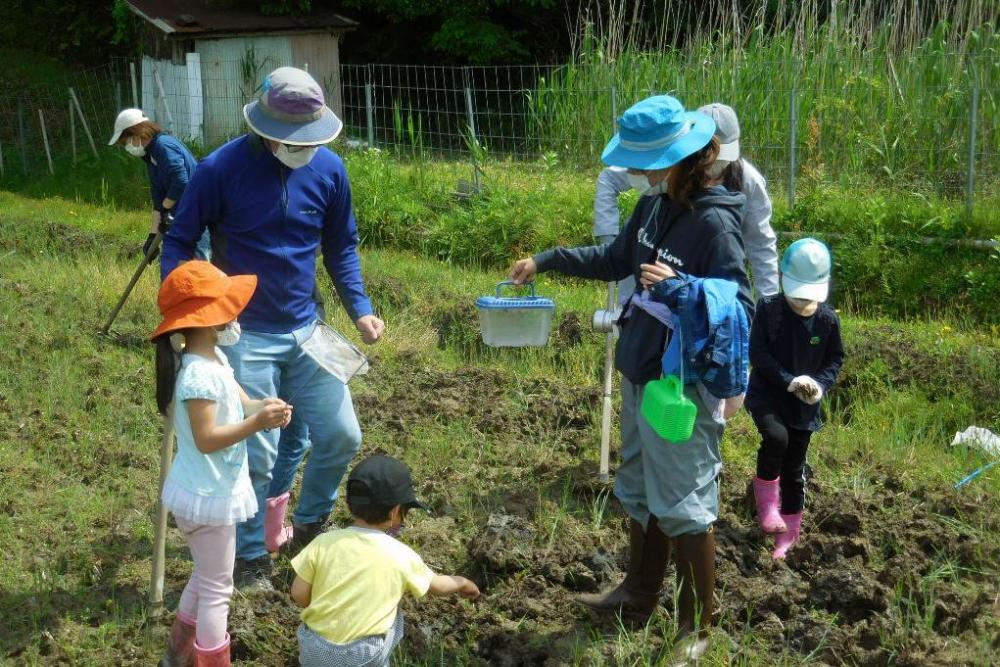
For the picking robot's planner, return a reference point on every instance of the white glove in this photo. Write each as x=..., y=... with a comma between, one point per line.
x=809, y=392
x=798, y=383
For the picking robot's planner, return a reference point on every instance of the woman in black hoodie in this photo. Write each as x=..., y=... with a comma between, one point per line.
x=685, y=223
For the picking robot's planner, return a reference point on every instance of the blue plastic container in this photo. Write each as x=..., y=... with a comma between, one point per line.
x=515, y=321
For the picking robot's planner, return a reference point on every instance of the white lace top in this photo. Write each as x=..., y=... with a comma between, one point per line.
x=211, y=489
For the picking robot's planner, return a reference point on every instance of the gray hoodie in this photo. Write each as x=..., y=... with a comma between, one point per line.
x=702, y=240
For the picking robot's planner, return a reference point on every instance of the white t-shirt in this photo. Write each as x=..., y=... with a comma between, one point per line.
x=211, y=489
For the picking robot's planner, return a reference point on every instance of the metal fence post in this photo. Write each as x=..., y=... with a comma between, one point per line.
x=83, y=121
x=614, y=109
x=118, y=95
x=473, y=137
x=72, y=128
x=163, y=98
x=793, y=115
x=20, y=137
x=135, y=87
x=370, y=115
x=970, y=175
x=470, y=112
x=45, y=140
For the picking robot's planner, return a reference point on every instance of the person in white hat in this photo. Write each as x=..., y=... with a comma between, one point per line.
x=273, y=198
x=169, y=165
x=796, y=353
x=737, y=174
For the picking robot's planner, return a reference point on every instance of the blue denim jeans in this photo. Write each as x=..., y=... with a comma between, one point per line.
x=204, y=248
x=323, y=420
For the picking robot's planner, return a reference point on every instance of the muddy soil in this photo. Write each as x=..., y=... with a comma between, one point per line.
x=544, y=408
x=893, y=575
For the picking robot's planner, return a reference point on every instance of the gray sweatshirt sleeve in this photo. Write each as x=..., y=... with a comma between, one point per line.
x=758, y=235
x=610, y=183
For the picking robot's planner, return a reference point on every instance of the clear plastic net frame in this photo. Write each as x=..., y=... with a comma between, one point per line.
x=335, y=354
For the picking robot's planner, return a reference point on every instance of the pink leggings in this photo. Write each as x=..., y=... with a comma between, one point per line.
x=206, y=597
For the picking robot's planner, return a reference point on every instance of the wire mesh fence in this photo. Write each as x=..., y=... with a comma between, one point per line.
x=45, y=127
x=918, y=123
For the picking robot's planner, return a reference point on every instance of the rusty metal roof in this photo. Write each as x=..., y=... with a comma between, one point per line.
x=193, y=18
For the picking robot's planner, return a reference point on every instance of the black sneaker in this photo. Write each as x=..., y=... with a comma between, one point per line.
x=303, y=534
x=253, y=575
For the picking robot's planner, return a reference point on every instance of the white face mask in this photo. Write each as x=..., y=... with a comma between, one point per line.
x=716, y=168
x=637, y=182
x=230, y=335
x=297, y=156
x=137, y=150
x=640, y=182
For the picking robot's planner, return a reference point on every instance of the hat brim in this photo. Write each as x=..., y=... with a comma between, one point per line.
x=118, y=133
x=797, y=289
x=210, y=312
x=701, y=132
x=323, y=130
x=729, y=152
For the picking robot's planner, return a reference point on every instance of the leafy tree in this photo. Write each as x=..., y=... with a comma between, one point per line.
x=456, y=31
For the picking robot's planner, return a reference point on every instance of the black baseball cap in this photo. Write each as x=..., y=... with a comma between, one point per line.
x=382, y=480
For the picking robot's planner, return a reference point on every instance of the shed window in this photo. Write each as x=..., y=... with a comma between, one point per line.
x=180, y=49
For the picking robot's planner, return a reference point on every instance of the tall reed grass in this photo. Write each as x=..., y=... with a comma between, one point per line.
x=882, y=88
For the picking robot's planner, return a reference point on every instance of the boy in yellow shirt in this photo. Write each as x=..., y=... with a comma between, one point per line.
x=350, y=581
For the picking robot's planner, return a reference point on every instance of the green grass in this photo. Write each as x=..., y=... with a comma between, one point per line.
x=885, y=265
x=486, y=432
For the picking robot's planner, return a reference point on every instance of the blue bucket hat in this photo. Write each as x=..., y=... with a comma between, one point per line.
x=657, y=133
x=291, y=109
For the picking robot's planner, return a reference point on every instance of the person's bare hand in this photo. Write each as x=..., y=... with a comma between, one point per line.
x=273, y=413
x=469, y=590
x=655, y=273
x=371, y=328
x=523, y=271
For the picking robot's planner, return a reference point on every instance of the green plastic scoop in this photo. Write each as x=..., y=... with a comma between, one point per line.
x=668, y=410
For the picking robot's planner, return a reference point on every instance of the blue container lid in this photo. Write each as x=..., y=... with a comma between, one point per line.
x=498, y=302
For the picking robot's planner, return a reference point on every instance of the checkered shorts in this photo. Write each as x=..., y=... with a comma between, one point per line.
x=374, y=651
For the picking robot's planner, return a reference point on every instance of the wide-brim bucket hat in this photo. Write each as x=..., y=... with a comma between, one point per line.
x=292, y=110
x=805, y=270
x=198, y=294
x=657, y=133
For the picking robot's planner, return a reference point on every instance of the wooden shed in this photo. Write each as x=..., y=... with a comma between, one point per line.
x=201, y=61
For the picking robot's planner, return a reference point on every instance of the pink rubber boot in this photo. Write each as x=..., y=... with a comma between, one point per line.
x=276, y=533
x=784, y=541
x=766, y=494
x=212, y=657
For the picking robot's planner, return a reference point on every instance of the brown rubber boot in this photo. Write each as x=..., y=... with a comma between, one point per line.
x=180, y=646
x=695, y=558
x=637, y=596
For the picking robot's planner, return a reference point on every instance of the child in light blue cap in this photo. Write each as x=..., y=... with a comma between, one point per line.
x=796, y=353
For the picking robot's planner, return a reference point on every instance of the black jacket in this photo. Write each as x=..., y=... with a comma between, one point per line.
x=784, y=345
x=702, y=240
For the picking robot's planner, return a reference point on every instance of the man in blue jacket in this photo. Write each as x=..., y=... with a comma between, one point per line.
x=271, y=199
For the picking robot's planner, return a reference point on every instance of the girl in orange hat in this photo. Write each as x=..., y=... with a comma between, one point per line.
x=208, y=488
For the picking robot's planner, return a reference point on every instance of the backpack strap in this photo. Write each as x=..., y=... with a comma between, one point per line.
x=773, y=315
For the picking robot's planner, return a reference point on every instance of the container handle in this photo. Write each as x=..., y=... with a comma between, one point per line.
x=510, y=283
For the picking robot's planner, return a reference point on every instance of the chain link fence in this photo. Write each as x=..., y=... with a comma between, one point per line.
x=911, y=125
